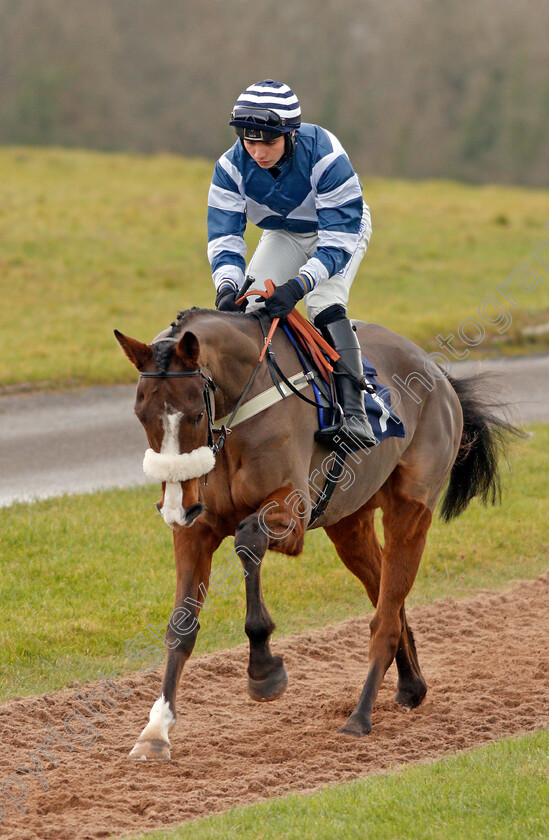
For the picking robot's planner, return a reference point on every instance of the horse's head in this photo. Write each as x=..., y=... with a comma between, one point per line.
x=172, y=403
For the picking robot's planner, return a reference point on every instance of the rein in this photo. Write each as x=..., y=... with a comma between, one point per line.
x=306, y=331
x=209, y=388
x=277, y=375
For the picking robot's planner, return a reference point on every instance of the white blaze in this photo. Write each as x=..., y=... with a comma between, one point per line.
x=172, y=509
x=173, y=467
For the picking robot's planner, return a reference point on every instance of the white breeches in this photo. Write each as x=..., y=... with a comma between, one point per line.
x=280, y=254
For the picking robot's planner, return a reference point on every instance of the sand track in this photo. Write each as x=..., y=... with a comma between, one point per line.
x=484, y=658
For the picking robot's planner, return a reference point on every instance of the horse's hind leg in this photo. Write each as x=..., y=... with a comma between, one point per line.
x=358, y=547
x=406, y=521
x=273, y=527
x=411, y=687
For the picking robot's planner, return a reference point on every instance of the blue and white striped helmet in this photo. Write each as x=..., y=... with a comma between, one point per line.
x=266, y=110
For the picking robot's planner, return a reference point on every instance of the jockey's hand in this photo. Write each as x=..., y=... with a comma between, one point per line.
x=225, y=300
x=284, y=298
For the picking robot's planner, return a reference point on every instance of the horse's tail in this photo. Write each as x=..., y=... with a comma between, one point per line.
x=486, y=436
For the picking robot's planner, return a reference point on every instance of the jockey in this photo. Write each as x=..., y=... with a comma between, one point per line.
x=295, y=181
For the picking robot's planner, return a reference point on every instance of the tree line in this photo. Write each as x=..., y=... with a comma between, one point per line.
x=413, y=88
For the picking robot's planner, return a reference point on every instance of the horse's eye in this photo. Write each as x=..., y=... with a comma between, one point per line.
x=199, y=418
x=139, y=405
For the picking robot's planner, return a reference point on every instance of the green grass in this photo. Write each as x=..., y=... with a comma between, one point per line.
x=94, y=241
x=83, y=575
x=499, y=792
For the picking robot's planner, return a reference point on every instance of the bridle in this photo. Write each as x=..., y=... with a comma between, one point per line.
x=209, y=389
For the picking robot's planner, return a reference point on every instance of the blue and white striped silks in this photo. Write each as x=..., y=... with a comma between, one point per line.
x=317, y=190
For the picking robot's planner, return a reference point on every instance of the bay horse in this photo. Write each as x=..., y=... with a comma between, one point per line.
x=261, y=487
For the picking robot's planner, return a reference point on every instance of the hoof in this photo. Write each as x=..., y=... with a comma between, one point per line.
x=355, y=727
x=411, y=696
x=270, y=688
x=153, y=749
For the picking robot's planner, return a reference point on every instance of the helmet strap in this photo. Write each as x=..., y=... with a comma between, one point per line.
x=289, y=144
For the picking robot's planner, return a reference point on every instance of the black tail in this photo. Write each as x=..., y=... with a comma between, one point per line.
x=485, y=438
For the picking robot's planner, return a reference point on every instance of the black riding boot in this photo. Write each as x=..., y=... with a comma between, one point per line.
x=342, y=337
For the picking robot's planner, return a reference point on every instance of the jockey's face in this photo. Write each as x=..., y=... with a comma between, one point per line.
x=265, y=154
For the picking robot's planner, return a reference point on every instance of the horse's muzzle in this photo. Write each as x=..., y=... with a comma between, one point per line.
x=180, y=505
x=192, y=512
x=179, y=474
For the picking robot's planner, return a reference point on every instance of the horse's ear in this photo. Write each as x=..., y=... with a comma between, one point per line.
x=137, y=352
x=188, y=348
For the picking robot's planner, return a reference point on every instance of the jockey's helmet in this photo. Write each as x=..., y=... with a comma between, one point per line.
x=266, y=110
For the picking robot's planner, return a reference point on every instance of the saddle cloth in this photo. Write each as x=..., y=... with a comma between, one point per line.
x=383, y=420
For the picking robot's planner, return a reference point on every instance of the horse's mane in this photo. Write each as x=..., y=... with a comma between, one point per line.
x=163, y=348
x=181, y=321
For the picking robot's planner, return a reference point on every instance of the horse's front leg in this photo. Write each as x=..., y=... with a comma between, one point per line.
x=193, y=557
x=274, y=526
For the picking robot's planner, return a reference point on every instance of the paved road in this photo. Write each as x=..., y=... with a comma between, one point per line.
x=89, y=439
x=69, y=442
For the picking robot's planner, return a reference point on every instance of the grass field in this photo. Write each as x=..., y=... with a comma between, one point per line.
x=83, y=575
x=499, y=792
x=95, y=241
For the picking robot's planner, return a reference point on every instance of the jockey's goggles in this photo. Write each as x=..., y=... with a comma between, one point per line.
x=259, y=123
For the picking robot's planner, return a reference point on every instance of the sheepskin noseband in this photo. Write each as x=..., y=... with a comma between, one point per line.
x=173, y=468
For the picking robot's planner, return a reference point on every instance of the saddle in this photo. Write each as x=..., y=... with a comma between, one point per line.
x=383, y=420
x=315, y=356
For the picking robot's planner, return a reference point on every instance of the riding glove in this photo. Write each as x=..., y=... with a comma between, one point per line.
x=285, y=297
x=225, y=300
